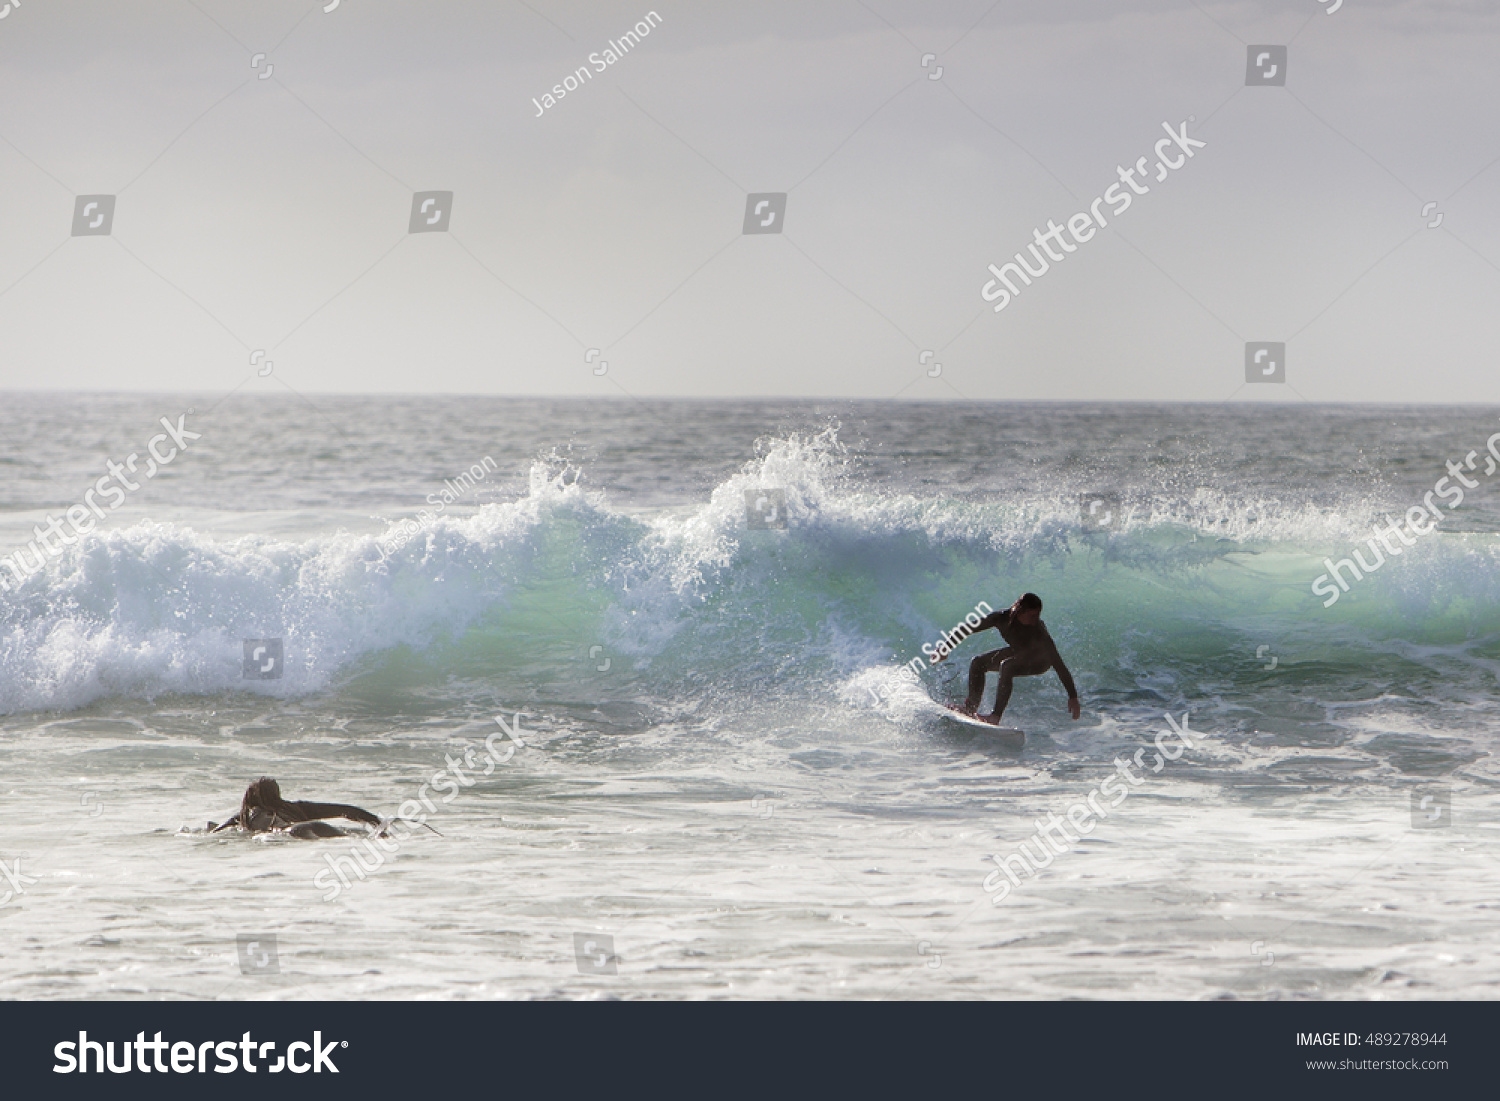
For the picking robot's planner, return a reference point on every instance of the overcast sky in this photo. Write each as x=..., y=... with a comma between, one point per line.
x=273, y=214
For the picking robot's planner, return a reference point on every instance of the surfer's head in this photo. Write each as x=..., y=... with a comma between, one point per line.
x=1028, y=609
x=262, y=795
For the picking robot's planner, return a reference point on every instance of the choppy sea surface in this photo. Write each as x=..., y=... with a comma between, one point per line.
x=728, y=783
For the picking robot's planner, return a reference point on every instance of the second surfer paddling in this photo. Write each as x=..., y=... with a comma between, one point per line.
x=263, y=810
x=1030, y=652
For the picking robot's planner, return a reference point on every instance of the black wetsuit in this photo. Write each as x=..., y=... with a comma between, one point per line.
x=1030, y=653
x=264, y=821
x=264, y=810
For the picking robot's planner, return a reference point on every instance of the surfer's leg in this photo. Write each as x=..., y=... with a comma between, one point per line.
x=984, y=663
x=1010, y=669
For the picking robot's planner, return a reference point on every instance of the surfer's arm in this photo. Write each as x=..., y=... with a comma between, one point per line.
x=1049, y=648
x=1074, y=707
x=235, y=821
x=313, y=811
x=1063, y=674
x=994, y=620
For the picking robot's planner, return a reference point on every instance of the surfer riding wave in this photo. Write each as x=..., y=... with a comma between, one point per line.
x=1029, y=652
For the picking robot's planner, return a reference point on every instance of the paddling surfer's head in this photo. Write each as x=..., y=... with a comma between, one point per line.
x=262, y=797
x=1028, y=609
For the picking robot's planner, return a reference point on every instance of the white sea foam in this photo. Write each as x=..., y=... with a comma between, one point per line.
x=159, y=607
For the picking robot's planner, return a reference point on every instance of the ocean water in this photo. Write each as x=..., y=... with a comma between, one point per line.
x=726, y=781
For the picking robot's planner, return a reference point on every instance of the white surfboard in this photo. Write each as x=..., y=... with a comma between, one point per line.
x=1006, y=735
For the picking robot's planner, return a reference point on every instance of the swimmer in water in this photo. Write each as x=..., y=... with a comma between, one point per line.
x=263, y=810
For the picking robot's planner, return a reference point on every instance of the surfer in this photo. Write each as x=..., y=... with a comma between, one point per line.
x=263, y=810
x=1030, y=653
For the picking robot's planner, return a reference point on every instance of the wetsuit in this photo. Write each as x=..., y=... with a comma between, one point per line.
x=1030, y=653
x=264, y=821
x=263, y=809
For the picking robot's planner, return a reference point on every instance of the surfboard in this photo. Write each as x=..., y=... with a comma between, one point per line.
x=1008, y=736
